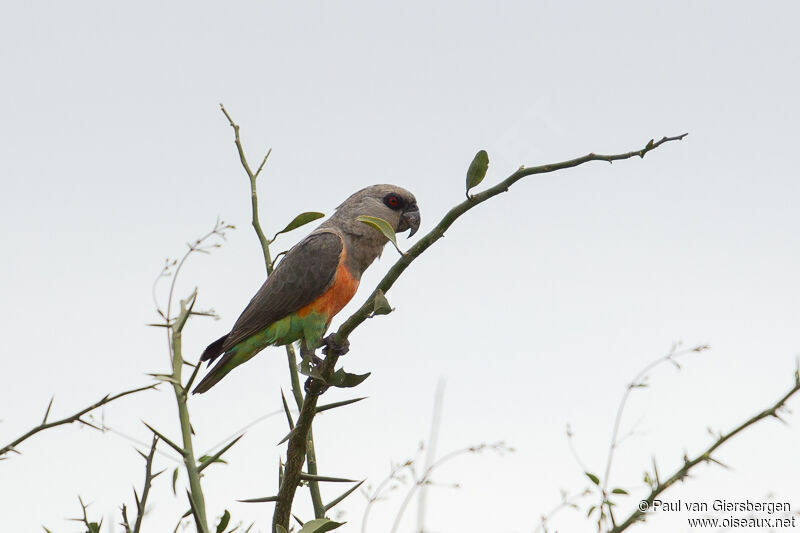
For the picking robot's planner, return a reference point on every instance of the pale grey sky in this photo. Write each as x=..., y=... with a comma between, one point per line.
x=537, y=308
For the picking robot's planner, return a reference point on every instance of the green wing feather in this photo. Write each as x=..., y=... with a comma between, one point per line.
x=302, y=276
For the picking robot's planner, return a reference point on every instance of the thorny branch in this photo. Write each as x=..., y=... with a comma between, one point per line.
x=297, y=442
x=195, y=494
x=400, y=473
x=425, y=478
x=658, y=486
x=567, y=502
x=77, y=417
x=141, y=503
x=174, y=336
x=637, y=382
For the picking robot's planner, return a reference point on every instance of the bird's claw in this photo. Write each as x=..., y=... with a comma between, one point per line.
x=329, y=346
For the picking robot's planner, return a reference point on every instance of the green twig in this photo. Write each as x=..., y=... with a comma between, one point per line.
x=196, y=498
x=174, y=332
x=148, y=480
x=253, y=194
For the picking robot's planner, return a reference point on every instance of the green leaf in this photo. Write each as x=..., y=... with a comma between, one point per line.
x=280, y=529
x=380, y=305
x=477, y=170
x=320, y=525
x=223, y=522
x=207, y=459
x=595, y=479
x=344, y=379
x=300, y=220
x=382, y=226
x=619, y=491
x=174, y=480
x=94, y=527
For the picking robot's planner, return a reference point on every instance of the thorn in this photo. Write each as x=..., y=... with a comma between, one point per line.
x=782, y=421
x=723, y=465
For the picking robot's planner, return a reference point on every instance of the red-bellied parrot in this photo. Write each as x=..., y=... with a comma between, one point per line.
x=314, y=281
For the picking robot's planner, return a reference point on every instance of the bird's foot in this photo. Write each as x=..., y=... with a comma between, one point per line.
x=329, y=346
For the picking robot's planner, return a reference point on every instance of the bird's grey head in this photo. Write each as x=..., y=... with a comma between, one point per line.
x=393, y=204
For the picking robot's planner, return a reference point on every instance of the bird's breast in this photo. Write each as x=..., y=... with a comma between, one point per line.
x=340, y=292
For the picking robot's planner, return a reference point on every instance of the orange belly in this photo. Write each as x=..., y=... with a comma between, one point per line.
x=332, y=301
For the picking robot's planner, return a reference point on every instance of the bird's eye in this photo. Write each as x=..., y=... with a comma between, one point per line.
x=393, y=201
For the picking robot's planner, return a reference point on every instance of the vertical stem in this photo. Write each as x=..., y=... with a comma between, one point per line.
x=313, y=486
x=291, y=358
x=311, y=456
x=196, y=491
x=257, y=225
x=430, y=456
x=297, y=449
x=316, y=498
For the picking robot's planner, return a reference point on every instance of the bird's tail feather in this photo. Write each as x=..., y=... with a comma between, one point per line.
x=230, y=360
x=213, y=350
x=215, y=375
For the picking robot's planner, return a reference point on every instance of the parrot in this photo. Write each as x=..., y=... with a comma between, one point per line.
x=314, y=281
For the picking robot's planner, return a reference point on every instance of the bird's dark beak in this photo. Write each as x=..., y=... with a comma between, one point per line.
x=411, y=219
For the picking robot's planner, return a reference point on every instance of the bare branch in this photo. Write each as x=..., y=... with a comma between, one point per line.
x=70, y=419
x=637, y=382
x=704, y=457
x=253, y=194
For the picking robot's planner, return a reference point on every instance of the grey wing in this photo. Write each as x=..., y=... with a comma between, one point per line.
x=303, y=275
